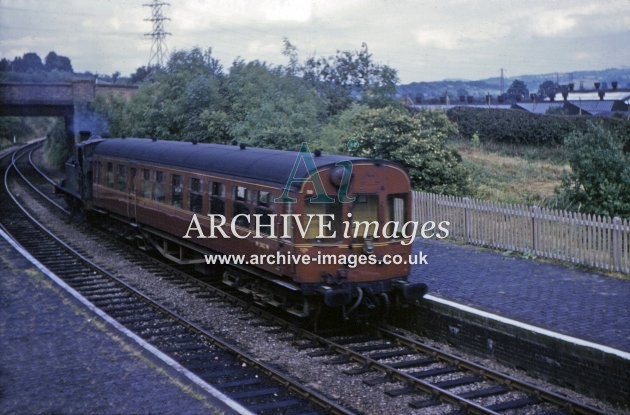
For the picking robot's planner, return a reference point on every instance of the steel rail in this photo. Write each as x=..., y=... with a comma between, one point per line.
x=394, y=333
x=290, y=384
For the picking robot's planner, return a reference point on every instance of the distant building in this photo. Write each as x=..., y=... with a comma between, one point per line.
x=594, y=95
x=538, y=107
x=600, y=108
x=601, y=103
x=448, y=107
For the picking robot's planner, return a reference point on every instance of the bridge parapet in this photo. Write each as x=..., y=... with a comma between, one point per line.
x=71, y=100
x=65, y=93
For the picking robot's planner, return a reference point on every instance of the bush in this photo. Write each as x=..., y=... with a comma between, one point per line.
x=416, y=142
x=17, y=127
x=56, y=150
x=599, y=181
x=521, y=127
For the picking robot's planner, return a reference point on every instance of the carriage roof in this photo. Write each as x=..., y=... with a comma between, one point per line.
x=259, y=164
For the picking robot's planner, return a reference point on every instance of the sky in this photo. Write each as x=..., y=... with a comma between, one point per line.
x=423, y=40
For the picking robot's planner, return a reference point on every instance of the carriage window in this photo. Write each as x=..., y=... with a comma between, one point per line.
x=241, y=205
x=265, y=199
x=110, y=174
x=158, y=188
x=217, y=194
x=313, y=230
x=132, y=183
x=147, y=185
x=264, y=207
x=122, y=177
x=97, y=171
x=196, y=198
x=240, y=194
x=365, y=216
x=176, y=190
x=397, y=211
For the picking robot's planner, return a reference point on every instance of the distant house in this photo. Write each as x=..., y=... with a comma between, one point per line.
x=589, y=103
x=538, y=107
x=601, y=108
x=594, y=95
x=448, y=107
x=595, y=103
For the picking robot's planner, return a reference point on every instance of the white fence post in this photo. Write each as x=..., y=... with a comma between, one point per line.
x=586, y=239
x=616, y=243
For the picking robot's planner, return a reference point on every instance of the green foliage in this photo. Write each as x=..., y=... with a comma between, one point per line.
x=418, y=142
x=474, y=140
x=14, y=127
x=521, y=127
x=547, y=90
x=517, y=91
x=30, y=68
x=170, y=104
x=346, y=77
x=54, y=62
x=56, y=149
x=191, y=99
x=269, y=109
x=599, y=181
x=141, y=74
x=338, y=129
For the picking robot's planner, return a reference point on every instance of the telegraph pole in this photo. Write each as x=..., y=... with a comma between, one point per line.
x=159, y=51
x=502, y=81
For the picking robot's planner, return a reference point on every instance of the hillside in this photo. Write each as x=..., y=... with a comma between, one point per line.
x=492, y=86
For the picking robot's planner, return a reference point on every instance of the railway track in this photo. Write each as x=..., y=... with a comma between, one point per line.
x=429, y=380
x=258, y=387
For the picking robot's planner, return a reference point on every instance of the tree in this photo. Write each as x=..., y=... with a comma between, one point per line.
x=141, y=74
x=290, y=51
x=269, y=109
x=54, y=62
x=547, y=90
x=56, y=149
x=349, y=76
x=417, y=142
x=517, y=91
x=5, y=65
x=29, y=62
x=599, y=181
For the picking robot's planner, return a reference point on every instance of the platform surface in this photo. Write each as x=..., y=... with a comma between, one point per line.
x=57, y=357
x=564, y=299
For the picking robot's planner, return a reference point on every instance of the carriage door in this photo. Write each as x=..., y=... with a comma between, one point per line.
x=132, y=199
x=285, y=245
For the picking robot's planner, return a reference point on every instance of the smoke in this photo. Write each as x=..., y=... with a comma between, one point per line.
x=86, y=120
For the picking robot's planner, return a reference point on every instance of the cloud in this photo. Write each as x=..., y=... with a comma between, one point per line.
x=553, y=24
x=437, y=38
x=300, y=11
x=422, y=39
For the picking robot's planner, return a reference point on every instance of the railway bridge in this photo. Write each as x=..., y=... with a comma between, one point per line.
x=70, y=100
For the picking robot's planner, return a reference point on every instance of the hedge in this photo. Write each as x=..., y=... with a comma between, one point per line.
x=521, y=127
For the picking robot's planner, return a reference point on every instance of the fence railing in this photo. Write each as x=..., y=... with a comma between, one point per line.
x=593, y=240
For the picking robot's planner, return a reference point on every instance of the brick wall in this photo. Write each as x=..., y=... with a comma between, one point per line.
x=588, y=371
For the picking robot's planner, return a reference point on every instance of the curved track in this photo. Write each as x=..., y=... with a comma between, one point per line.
x=258, y=387
x=426, y=377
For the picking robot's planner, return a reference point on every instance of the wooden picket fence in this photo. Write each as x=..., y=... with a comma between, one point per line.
x=597, y=241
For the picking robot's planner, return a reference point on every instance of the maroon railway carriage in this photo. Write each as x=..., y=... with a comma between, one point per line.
x=158, y=186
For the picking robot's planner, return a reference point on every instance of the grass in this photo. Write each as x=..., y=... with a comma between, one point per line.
x=512, y=174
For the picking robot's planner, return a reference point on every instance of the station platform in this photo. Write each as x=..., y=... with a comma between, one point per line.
x=59, y=357
x=563, y=299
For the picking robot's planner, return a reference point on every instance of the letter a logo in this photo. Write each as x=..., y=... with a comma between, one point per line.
x=312, y=176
